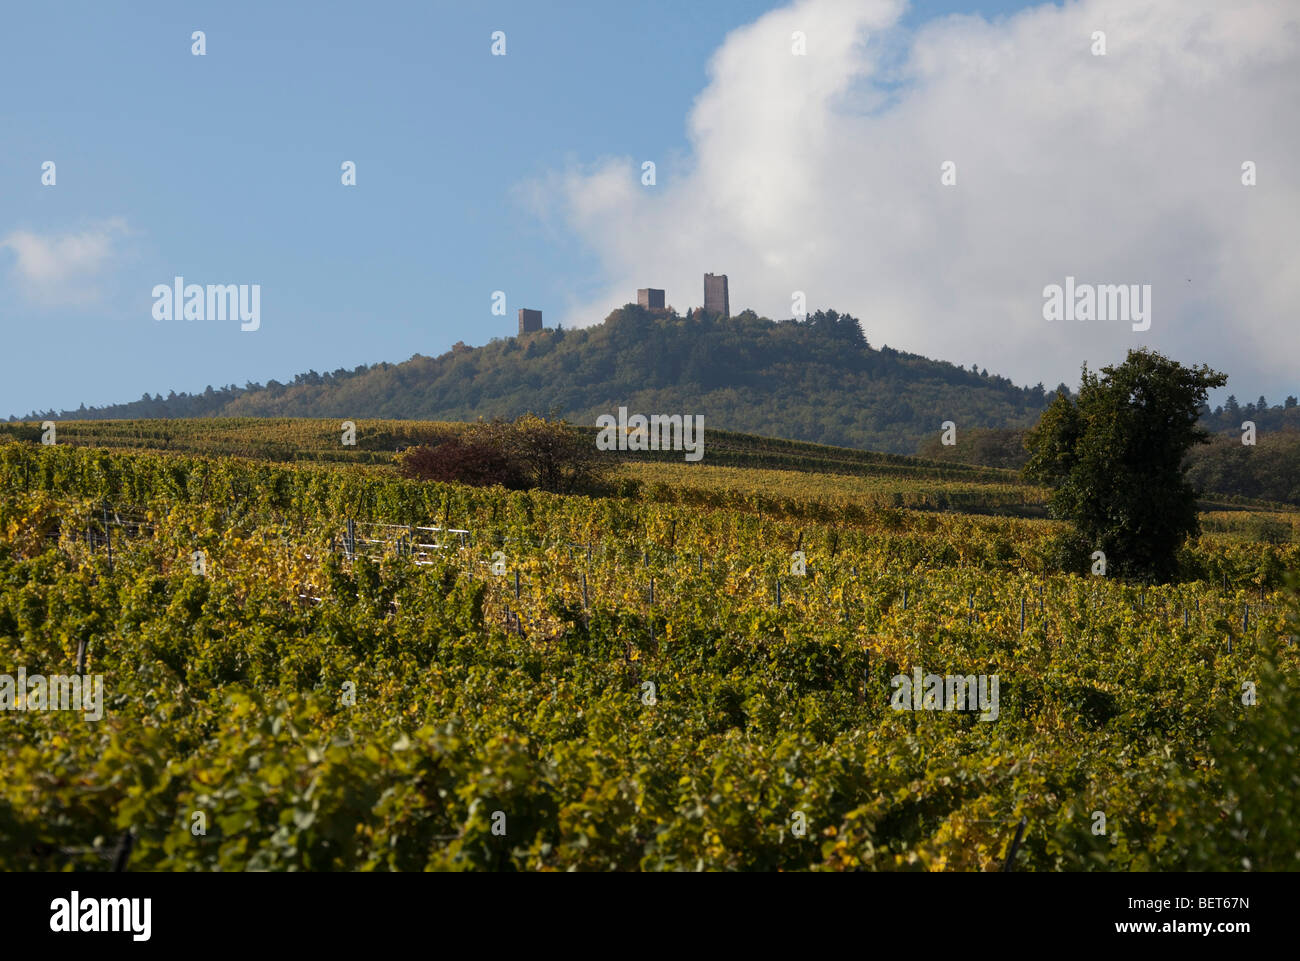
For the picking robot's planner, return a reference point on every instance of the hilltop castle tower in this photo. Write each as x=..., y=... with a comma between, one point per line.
x=650, y=298
x=529, y=320
x=716, y=300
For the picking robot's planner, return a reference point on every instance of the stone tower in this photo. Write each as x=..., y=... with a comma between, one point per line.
x=650, y=298
x=529, y=320
x=716, y=300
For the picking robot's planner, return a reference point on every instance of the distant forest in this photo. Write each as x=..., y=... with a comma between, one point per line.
x=1267, y=470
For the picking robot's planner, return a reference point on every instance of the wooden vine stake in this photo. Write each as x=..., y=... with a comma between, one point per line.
x=1015, y=844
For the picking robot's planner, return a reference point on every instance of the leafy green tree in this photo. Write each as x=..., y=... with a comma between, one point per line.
x=1115, y=458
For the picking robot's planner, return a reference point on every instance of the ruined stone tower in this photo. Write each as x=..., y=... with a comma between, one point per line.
x=529, y=320
x=650, y=298
x=715, y=295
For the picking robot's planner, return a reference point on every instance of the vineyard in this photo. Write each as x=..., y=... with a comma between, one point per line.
x=317, y=440
x=321, y=666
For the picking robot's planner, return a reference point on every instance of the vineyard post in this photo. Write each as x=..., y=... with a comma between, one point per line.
x=778, y=592
x=904, y=598
x=516, y=583
x=1015, y=844
x=1022, y=614
x=108, y=539
x=584, y=590
x=123, y=851
x=81, y=658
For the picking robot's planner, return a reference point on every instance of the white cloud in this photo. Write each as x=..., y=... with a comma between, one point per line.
x=821, y=173
x=59, y=269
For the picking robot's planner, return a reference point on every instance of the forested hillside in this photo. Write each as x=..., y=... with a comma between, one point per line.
x=816, y=380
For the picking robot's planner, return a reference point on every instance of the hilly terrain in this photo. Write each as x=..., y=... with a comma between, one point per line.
x=816, y=380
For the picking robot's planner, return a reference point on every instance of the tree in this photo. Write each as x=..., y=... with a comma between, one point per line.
x=528, y=452
x=988, y=447
x=552, y=455
x=1114, y=457
x=465, y=460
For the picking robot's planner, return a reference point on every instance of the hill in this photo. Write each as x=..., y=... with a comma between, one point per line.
x=815, y=380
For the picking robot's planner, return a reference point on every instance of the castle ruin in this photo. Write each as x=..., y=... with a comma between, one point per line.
x=529, y=321
x=716, y=300
x=650, y=298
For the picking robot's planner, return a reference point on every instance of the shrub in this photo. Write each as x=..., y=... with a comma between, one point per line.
x=464, y=460
x=528, y=452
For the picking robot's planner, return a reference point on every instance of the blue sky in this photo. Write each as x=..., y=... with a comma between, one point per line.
x=225, y=169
